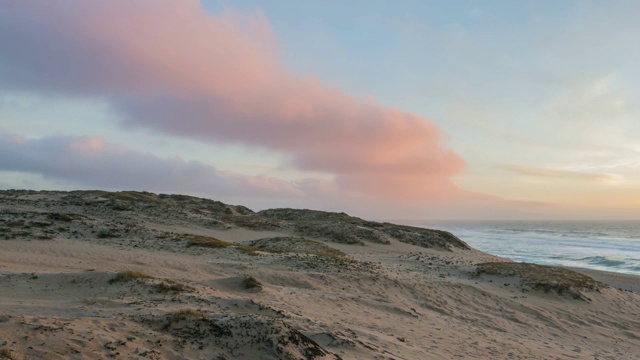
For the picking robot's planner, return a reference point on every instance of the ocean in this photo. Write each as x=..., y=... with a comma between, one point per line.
x=600, y=245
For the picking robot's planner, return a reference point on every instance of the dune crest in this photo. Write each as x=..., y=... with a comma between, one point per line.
x=137, y=275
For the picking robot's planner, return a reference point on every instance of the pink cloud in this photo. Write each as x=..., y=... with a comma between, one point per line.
x=170, y=66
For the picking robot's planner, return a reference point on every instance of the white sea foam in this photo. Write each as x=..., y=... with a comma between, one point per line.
x=610, y=246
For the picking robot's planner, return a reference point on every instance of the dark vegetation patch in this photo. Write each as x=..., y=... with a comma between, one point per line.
x=128, y=275
x=132, y=196
x=23, y=233
x=107, y=233
x=250, y=283
x=180, y=205
x=65, y=217
x=163, y=287
x=327, y=264
x=225, y=335
x=312, y=349
x=99, y=213
x=305, y=215
x=22, y=192
x=170, y=286
x=427, y=238
x=40, y=224
x=211, y=242
x=340, y=232
x=205, y=206
x=184, y=314
x=255, y=222
x=342, y=228
x=5, y=354
x=542, y=277
x=19, y=223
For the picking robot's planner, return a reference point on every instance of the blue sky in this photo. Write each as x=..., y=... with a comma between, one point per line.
x=538, y=98
x=542, y=87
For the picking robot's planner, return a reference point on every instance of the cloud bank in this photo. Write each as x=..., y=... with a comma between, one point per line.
x=90, y=161
x=171, y=67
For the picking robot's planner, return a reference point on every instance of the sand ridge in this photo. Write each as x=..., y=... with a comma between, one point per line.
x=328, y=293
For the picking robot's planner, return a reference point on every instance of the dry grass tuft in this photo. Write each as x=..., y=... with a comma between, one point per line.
x=125, y=276
x=169, y=286
x=184, y=314
x=211, y=242
x=163, y=287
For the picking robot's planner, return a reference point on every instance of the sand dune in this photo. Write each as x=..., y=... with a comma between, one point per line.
x=98, y=275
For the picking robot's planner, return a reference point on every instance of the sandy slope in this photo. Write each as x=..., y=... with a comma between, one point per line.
x=379, y=301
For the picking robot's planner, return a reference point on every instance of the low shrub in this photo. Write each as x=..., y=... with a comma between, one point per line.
x=128, y=275
x=170, y=287
x=250, y=283
x=542, y=277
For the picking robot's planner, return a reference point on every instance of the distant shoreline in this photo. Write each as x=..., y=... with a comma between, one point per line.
x=612, y=246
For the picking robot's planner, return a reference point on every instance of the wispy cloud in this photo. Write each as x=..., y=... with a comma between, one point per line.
x=557, y=173
x=171, y=67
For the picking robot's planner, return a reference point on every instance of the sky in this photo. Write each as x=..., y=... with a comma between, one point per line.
x=387, y=110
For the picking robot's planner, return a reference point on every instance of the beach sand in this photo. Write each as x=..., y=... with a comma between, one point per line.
x=617, y=280
x=93, y=275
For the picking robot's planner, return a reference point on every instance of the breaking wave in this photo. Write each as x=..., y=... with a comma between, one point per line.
x=609, y=246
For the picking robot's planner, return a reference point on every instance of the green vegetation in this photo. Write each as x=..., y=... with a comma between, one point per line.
x=328, y=264
x=306, y=215
x=64, y=217
x=211, y=242
x=163, y=287
x=16, y=223
x=106, y=233
x=170, y=287
x=250, y=283
x=340, y=232
x=126, y=276
x=183, y=315
x=253, y=222
x=132, y=196
x=195, y=325
x=342, y=228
